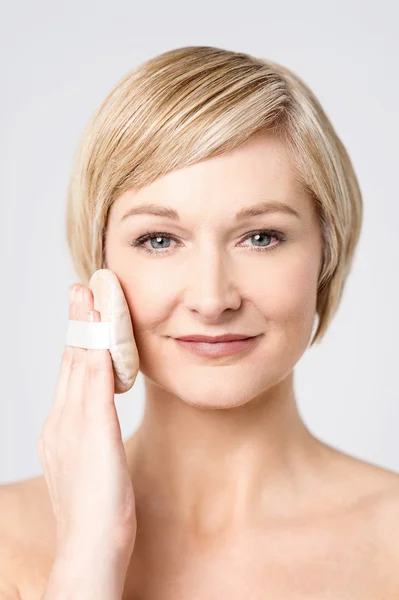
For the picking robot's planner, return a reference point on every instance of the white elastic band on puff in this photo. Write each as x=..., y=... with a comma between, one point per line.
x=89, y=335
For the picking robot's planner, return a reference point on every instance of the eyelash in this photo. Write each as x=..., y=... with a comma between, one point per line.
x=154, y=234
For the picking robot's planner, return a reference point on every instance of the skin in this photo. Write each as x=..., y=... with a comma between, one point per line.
x=228, y=480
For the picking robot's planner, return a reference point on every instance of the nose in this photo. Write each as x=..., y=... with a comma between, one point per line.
x=211, y=289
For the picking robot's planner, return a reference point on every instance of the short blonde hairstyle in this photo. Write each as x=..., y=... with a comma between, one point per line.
x=196, y=102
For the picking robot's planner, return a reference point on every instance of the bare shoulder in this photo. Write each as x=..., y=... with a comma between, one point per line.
x=26, y=534
x=387, y=507
x=374, y=492
x=382, y=521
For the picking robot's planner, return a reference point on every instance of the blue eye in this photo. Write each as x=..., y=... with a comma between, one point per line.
x=161, y=236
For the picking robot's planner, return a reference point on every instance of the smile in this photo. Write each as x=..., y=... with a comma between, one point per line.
x=218, y=349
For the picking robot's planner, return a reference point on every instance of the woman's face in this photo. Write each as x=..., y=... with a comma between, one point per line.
x=209, y=273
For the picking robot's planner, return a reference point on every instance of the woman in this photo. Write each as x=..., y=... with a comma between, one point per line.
x=222, y=491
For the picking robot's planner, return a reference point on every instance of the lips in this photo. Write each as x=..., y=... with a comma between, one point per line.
x=230, y=337
x=219, y=349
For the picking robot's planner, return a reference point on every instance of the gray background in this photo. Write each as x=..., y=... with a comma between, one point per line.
x=59, y=60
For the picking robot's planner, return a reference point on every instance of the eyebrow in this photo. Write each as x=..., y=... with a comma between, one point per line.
x=249, y=211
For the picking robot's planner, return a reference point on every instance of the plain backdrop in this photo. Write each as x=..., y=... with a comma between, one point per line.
x=57, y=63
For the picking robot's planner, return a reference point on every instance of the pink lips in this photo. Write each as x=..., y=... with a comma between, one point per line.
x=228, y=337
x=217, y=349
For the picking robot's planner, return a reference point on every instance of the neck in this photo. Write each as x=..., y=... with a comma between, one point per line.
x=213, y=470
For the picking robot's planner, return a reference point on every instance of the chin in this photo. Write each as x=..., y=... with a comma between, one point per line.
x=213, y=400
x=213, y=388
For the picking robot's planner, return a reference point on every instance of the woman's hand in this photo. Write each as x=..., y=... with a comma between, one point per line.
x=82, y=454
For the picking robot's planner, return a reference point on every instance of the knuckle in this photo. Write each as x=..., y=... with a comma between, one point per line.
x=77, y=364
x=73, y=360
x=93, y=370
x=97, y=363
x=67, y=355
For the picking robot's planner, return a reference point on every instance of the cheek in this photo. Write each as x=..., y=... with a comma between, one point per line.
x=287, y=300
x=287, y=294
x=299, y=291
x=147, y=302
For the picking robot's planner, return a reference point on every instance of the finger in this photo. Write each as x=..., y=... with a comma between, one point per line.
x=76, y=362
x=84, y=304
x=68, y=357
x=91, y=374
x=100, y=383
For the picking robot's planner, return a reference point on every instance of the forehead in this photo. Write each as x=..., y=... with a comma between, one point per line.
x=260, y=170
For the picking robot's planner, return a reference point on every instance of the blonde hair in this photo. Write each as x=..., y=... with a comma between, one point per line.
x=196, y=102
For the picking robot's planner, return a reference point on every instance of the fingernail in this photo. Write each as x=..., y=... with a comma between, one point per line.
x=90, y=315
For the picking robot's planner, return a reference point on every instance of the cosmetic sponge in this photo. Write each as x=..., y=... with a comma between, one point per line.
x=110, y=301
